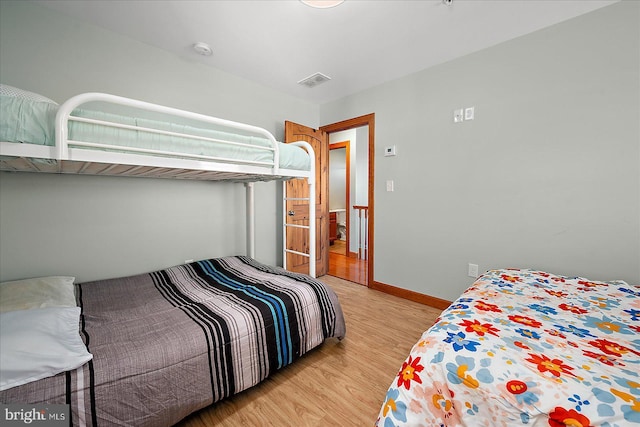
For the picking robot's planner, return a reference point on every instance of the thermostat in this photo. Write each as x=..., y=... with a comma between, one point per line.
x=390, y=151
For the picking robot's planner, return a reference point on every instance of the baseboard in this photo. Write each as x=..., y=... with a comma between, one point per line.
x=410, y=295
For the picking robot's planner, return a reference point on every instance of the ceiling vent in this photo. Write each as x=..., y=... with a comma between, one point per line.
x=314, y=80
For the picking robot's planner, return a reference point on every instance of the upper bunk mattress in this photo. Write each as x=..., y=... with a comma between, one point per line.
x=31, y=120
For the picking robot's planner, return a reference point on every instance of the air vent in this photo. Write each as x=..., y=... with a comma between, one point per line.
x=314, y=80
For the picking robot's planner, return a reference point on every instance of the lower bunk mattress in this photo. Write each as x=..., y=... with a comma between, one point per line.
x=525, y=348
x=168, y=343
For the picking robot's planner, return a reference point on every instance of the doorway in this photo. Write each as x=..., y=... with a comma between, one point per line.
x=339, y=197
x=352, y=257
x=345, y=261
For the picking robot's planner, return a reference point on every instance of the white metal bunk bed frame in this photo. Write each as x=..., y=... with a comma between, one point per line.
x=79, y=157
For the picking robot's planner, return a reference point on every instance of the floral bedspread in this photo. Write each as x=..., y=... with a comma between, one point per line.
x=524, y=347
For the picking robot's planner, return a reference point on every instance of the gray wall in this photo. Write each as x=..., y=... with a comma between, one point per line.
x=547, y=176
x=103, y=227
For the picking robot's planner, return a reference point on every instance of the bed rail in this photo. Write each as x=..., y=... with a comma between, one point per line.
x=64, y=116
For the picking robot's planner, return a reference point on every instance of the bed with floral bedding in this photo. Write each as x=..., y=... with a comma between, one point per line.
x=523, y=347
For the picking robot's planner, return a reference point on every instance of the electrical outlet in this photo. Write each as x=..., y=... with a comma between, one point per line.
x=473, y=270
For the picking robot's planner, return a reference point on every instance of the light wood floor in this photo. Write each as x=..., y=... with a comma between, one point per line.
x=339, y=383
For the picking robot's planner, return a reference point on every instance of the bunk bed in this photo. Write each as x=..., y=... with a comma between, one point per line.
x=525, y=347
x=150, y=349
x=104, y=134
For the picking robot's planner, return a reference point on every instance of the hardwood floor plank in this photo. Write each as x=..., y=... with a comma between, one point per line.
x=348, y=268
x=340, y=383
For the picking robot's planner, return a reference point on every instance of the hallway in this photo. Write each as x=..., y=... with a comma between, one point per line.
x=344, y=267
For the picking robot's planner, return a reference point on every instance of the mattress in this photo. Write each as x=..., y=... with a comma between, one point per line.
x=170, y=342
x=528, y=348
x=31, y=121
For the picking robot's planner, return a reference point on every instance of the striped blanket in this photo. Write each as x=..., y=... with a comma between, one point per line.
x=168, y=343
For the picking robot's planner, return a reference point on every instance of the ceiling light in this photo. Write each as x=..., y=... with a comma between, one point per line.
x=322, y=4
x=203, y=49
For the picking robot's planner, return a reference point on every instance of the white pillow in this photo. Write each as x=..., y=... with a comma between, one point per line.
x=14, y=92
x=39, y=292
x=36, y=344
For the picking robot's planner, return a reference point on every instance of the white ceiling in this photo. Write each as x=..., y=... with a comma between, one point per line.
x=359, y=44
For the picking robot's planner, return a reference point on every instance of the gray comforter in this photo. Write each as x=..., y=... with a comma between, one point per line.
x=168, y=343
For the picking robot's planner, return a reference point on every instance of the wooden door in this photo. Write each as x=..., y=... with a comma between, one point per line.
x=298, y=211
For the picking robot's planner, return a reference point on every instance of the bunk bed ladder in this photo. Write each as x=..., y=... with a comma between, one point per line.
x=311, y=180
x=312, y=235
x=250, y=218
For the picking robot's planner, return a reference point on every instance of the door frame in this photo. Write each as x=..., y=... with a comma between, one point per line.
x=356, y=122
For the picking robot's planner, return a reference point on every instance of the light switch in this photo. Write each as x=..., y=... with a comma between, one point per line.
x=390, y=185
x=458, y=115
x=469, y=113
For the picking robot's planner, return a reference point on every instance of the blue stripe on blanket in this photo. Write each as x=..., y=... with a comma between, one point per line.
x=275, y=305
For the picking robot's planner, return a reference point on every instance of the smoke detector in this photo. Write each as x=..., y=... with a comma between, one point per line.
x=203, y=49
x=314, y=80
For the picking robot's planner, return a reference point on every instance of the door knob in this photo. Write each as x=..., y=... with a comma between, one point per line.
x=291, y=213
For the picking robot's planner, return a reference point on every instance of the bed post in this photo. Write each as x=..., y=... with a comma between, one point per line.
x=251, y=221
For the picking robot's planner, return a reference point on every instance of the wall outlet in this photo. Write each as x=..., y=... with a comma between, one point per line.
x=473, y=270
